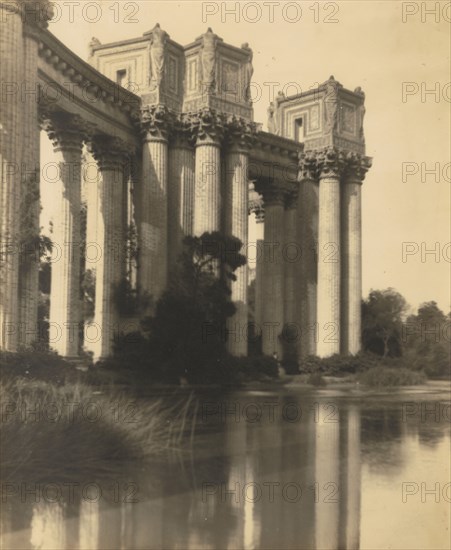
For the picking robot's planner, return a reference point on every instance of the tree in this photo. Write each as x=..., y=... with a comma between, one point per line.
x=187, y=333
x=382, y=322
x=426, y=340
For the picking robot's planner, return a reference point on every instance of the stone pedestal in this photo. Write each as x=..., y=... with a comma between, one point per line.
x=65, y=308
x=329, y=254
x=111, y=156
x=180, y=196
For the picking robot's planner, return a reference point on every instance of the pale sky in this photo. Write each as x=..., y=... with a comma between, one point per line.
x=368, y=45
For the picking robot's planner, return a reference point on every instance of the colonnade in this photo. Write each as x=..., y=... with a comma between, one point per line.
x=310, y=272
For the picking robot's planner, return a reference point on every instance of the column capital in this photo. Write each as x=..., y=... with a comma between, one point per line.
x=240, y=133
x=308, y=166
x=275, y=195
x=156, y=122
x=181, y=132
x=357, y=166
x=255, y=204
x=111, y=153
x=208, y=126
x=66, y=131
x=33, y=12
x=331, y=163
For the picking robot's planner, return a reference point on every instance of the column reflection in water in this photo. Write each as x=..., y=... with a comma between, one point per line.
x=89, y=525
x=351, y=481
x=48, y=529
x=327, y=462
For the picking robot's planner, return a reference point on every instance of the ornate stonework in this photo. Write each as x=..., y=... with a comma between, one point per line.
x=158, y=41
x=156, y=121
x=240, y=133
x=208, y=126
x=356, y=167
x=331, y=163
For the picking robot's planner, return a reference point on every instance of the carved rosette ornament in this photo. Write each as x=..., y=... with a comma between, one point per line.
x=331, y=163
x=356, y=167
x=240, y=133
x=208, y=126
x=156, y=122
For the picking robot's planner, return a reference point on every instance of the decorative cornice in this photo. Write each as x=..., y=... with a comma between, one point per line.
x=77, y=71
x=156, y=122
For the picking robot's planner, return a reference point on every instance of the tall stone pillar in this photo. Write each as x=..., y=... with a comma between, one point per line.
x=239, y=136
x=291, y=255
x=153, y=227
x=207, y=194
x=331, y=165
x=308, y=266
x=30, y=195
x=11, y=141
x=66, y=134
x=111, y=156
x=351, y=257
x=273, y=271
x=181, y=180
x=260, y=237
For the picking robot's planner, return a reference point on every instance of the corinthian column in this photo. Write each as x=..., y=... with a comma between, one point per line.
x=180, y=190
x=111, y=156
x=153, y=230
x=351, y=235
x=273, y=271
x=328, y=304
x=207, y=195
x=11, y=139
x=239, y=136
x=308, y=266
x=66, y=134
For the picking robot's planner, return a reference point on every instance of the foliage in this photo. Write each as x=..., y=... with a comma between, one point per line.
x=337, y=365
x=130, y=300
x=426, y=340
x=187, y=333
x=316, y=379
x=71, y=432
x=390, y=376
x=382, y=320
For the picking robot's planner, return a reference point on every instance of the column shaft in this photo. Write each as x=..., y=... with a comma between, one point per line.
x=328, y=303
x=236, y=225
x=308, y=266
x=11, y=141
x=259, y=269
x=273, y=277
x=351, y=286
x=110, y=271
x=65, y=282
x=207, y=196
x=153, y=261
x=181, y=167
